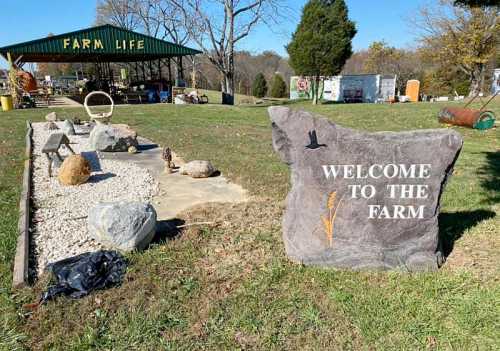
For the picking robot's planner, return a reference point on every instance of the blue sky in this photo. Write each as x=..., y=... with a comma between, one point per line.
x=375, y=20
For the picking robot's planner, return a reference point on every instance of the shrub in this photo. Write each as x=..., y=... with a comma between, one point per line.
x=259, y=86
x=278, y=87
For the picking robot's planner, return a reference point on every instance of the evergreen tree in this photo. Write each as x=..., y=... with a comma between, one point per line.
x=322, y=42
x=278, y=87
x=259, y=86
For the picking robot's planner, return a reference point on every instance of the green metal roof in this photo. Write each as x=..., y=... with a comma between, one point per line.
x=104, y=43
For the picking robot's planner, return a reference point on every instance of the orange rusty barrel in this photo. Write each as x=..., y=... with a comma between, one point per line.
x=477, y=119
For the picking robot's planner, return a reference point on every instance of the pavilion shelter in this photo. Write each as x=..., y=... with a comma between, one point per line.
x=149, y=58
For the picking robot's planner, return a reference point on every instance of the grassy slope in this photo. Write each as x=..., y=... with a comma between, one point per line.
x=231, y=286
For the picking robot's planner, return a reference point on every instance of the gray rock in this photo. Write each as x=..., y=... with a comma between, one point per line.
x=197, y=169
x=51, y=126
x=362, y=200
x=68, y=127
x=111, y=138
x=125, y=226
x=51, y=117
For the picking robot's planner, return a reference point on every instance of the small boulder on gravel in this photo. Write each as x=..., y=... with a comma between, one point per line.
x=51, y=117
x=197, y=169
x=68, y=128
x=75, y=170
x=124, y=226
x=112, y=138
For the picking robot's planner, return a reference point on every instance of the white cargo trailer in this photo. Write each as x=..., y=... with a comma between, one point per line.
x=347, y=88
x=495, y=83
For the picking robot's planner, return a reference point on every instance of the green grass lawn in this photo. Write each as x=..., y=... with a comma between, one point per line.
x=230, y=285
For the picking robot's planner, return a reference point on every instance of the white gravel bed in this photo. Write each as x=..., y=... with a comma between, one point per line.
x=59, y=227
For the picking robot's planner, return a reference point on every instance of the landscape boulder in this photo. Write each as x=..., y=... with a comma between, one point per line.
x=51, y=117
x=74, y=170
x=68, y=128
x=124, y=226
x=112, y=138
x=362, y=200
x=197, y=169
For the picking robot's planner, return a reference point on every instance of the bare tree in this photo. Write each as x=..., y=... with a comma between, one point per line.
x=157, y=18
x=118, y=13
x=218, y=26
x=161, y=19
x=464, y=37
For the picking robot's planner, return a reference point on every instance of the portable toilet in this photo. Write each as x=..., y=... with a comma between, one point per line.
x=412, y=89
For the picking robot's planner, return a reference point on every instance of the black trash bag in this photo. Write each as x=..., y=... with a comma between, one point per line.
x=78, y=276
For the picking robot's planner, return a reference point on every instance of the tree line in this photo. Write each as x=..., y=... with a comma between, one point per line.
x=457, y=45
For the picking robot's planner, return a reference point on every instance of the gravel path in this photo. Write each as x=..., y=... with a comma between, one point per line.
x=60, y=219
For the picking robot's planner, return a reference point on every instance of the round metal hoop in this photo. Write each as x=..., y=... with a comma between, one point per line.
x=103, y=117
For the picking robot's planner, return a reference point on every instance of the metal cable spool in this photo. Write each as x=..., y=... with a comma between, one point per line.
x=101, y=117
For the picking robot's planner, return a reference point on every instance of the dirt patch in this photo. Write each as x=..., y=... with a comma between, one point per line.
x=477, y=250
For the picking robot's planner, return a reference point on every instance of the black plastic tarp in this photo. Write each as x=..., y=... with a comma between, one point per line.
x=79, y=275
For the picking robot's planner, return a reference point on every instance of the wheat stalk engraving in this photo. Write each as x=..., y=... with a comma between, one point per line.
x=329, y=221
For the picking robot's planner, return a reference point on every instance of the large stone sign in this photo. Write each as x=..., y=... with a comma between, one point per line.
x=362, y=200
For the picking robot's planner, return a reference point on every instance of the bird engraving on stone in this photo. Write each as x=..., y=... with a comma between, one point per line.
x=313, y=141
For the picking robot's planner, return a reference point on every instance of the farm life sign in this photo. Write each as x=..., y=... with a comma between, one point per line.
x=362, y=200
x=97, y=44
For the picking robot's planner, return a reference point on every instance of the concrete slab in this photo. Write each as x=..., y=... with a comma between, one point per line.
x=177, y=192
x=58, y=101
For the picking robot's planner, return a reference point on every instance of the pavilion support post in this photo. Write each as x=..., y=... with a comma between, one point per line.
x=181, y=68
x=143, y=71
x=159, y=68
x=13, y=81
x=150, y=64
x=193, y=74
x=105, y=73
x=136, y=71
x=111, y=78
x=170, y=71
x=98, y=70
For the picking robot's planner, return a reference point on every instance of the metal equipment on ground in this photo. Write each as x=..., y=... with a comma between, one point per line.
x=466, y=117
